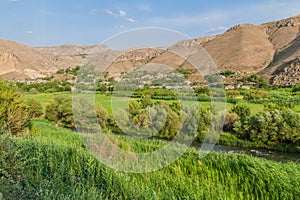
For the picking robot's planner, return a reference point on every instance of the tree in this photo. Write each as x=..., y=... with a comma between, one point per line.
x=256, y=94
x=172, y=124
x=14, y=111
x=35, y=108
x=241, y=110
x=229, y=121
x=60, y=112
x=102, y=88
x=146, y=101
x=102, y=115
x=276, y=126
x=296, y=88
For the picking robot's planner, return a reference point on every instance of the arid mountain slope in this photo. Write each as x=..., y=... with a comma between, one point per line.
x=271, y=50
x=243, y=48
x=285, y=36
x=18, y=61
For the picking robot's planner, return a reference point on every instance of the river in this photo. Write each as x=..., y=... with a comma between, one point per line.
x=261, y=153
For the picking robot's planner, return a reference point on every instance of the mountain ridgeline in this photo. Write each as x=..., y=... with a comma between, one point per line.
x=270, y=50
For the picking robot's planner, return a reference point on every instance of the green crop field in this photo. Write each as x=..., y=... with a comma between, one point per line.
x=105, y=100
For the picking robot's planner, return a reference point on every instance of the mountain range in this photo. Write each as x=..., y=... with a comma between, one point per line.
x=270, y=50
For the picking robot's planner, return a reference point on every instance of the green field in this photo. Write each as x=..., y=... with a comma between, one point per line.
x=53, y=164
x=105, y=100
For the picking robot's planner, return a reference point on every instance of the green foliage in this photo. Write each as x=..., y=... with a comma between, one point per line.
x=60, y=112
x=272, y=126
x=212, y=78
x=53, y=169
x=102, y=88
x=146, y=101
x=73, y=71
x=102, y=115
x=60, y=71
x=172, y=124
x=202, y=91
x=241, y=110
x=35, y=108
x=185, y=72
x=48, y=78
x=296, y=88
x=280, y=105
x=15, y=112
x=256, y=94
x=259, y=81
x=229, y=121
x=227, y=73
x=46, y=87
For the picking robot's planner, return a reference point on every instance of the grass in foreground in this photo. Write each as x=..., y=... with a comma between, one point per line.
x=53, y=164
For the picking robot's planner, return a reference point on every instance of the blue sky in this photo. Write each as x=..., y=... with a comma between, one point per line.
x=55, y=22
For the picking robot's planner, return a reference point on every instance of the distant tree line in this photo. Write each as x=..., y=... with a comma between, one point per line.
x=46, y=87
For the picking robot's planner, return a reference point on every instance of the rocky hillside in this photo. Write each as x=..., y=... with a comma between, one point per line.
x=285, y=37
x=18, y=61
x=271, y=50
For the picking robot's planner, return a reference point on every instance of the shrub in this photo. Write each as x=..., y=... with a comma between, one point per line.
x=256, y=94
x=15, y=111
x=102, y=115
x=35, y=109
x=60, y=112
x=227, y=73
x=241, y=110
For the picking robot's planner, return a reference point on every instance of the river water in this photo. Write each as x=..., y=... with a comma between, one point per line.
x=261, y=153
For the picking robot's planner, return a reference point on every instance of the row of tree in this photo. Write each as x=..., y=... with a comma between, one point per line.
x=277, y=124
x=142, y=116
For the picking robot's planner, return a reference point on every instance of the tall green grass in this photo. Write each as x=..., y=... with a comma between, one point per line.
x=53, y=164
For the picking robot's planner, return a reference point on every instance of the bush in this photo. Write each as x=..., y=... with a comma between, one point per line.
x=229, y=121
x=60, y=112
x=227, y=73
x=102, y=115
x=256, y=95
x=15, y=113
x=35, y=109
x=241, y=110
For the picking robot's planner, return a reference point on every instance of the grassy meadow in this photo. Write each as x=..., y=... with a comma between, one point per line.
x=53, y=164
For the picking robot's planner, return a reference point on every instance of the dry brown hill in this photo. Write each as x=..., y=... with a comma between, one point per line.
x=271, y=50
x=243, y=48
x=285, y=37
x=18, y=61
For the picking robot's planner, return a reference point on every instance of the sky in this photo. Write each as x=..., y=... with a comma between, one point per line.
x=88, y=22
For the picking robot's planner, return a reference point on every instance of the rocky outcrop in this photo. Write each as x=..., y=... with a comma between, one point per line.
x=289, y=74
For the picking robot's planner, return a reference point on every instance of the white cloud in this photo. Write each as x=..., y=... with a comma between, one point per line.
x=122, y=13
x=28, y=32
x=13, y=0
x=217, y=29
x=122, y=27
x=109, y=12
x=130, y=19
